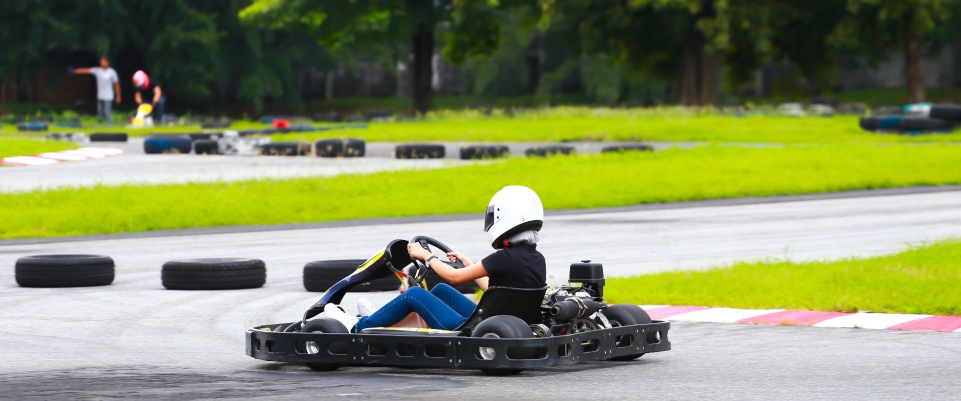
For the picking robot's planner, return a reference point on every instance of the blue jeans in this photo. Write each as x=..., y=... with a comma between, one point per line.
x=104, y=109
x=158, y=110
x=442, y=308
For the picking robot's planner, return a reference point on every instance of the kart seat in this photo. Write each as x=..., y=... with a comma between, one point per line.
x=524, y=303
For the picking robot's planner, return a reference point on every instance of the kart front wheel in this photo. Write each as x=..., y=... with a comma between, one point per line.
x=626, y=315
x=501, y=326
x=323, y=325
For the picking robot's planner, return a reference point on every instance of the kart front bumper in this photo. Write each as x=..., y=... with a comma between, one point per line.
x=427, y=351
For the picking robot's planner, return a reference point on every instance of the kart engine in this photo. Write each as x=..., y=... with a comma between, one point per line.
x=582, y=297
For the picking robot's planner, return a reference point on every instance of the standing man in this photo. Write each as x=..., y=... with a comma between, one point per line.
x=108, y=86
x=141, y=81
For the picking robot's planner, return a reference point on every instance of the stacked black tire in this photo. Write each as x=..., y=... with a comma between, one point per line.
x=108, y=137
x=161, y=143
x=213, y=274
x=340, y=148
x=940, y=118
x=419, y=151
x=53, y=271
x=321, y=275
x=474, y=152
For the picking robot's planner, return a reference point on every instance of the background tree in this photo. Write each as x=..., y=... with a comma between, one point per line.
x=388, y=26
x=874, y=27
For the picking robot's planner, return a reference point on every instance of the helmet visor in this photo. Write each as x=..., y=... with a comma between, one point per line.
x=489, y=218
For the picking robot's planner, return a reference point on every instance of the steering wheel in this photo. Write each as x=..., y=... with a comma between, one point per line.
x=425, y=242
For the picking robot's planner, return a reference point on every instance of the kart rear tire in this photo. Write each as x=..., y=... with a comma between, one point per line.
x=283, y=149
x=213, y=274
x=475, y=152
x=340, y=148
x=59, y=271
x=321, y=274
x=419, y=151
x=626, y=315
x=503, y=326
x=553, y=150
x=324, y=325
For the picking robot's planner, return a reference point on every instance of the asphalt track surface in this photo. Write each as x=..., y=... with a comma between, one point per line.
x=134, y=339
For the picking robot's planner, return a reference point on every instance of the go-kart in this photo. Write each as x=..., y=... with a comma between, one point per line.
x=511, y=329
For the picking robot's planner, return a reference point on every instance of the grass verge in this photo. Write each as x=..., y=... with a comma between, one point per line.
x=623, y=125
x=919, y=280
x=25, y=147
x=563, y=183
x=595, y=124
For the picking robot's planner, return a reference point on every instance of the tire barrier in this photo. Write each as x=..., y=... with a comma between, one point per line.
x=419, y=151
x=474, y=152
x=108, y=137
x=216, y=124
x=328, y=117
x=68, y=136
x=906, y=124
x=922, y=124
x=213, y=274
x=157, y=144
x=204, y=135
x=206, y=147
x=53, y=271
x=627, y=148
x=322, y=274
x=379, y=114
x=949, y=112
x=283, y=149
x=340, y=148
x=32, y=126
x=552, y=150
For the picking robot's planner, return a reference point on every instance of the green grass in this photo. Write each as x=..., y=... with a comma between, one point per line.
x=919, y=280
x=578, y=124
x=593, y=124
x=563, y=183
x=24, y=147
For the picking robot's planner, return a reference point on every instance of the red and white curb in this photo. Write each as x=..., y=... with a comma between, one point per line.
x=860, y=320
x=57, y=157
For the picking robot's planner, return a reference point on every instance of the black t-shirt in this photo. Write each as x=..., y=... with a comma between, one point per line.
x=517, y=266
x=146, y=94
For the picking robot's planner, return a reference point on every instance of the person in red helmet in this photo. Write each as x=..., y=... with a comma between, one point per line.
x=145, y=89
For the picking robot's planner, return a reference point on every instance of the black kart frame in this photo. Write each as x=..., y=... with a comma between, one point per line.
x=270, y=343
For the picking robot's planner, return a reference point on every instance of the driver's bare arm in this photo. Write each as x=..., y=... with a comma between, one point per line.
x=81, y=70
x=457, y=276
x=482, y=283
x=137, y=98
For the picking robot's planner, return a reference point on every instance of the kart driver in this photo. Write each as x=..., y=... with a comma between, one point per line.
x=513, y=221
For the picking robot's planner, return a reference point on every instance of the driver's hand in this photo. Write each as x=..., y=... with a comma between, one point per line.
x=417, y=252
x=458, y=255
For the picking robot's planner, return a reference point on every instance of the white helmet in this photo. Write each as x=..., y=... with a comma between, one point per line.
x=512, y=210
